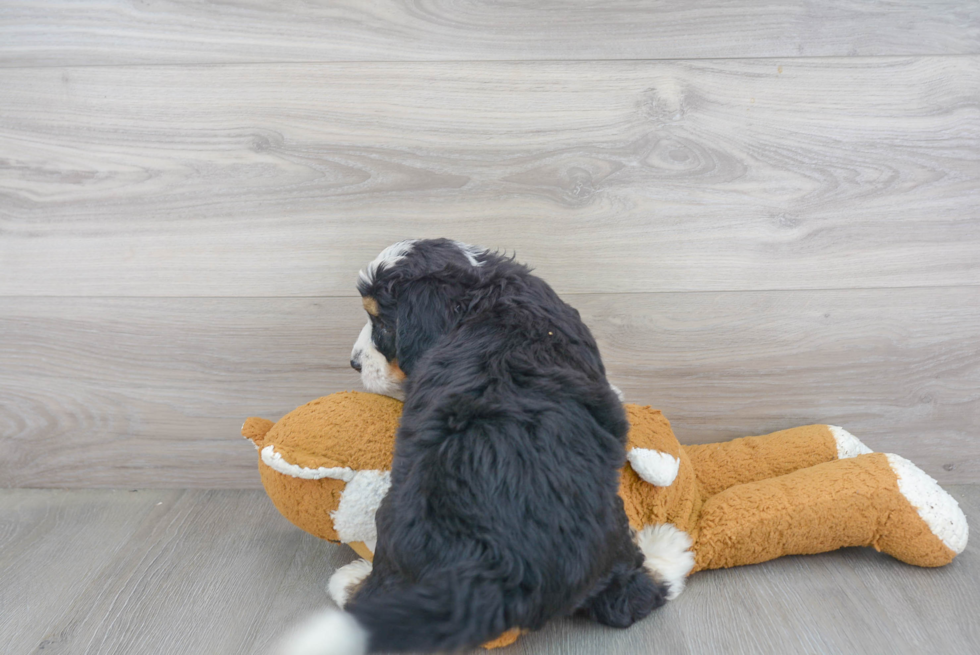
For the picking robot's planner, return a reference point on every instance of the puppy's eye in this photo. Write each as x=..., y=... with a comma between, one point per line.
x=380, y=328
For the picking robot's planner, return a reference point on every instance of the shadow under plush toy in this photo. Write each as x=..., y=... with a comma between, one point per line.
x=806, y=490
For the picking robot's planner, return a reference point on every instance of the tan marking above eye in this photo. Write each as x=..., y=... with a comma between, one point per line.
x=370, y=305
x=396, y=371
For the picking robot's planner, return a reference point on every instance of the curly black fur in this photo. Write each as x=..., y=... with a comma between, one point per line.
x=503, y=510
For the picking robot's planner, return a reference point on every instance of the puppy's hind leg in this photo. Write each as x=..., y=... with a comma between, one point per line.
x=627, y=595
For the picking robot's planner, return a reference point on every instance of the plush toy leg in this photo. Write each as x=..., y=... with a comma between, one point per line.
x=506, y=639
x=362, y=549
x=869, y=500
x=719, y=466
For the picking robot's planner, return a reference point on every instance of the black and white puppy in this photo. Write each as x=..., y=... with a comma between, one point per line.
x=503, y=509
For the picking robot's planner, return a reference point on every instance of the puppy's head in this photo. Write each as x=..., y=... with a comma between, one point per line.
x=413, y=293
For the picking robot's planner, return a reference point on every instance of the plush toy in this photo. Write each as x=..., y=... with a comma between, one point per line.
x=806, y=490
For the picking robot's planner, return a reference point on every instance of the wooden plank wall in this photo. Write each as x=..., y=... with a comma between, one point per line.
x=768, y=212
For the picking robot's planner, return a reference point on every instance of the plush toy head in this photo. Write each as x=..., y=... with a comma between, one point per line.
x=326, y=464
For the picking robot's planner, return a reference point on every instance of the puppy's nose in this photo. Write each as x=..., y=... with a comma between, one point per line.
x=356, y=365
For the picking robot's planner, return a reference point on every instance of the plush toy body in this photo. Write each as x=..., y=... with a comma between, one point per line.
x=806, y=490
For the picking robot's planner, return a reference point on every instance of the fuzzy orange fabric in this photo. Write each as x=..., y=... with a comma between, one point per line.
x=750, y=459
x=848, y=502
x=362, y=425
x=741, y=502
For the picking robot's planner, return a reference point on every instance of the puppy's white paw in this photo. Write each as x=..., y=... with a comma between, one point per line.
x=667, y=555
x=345, y=580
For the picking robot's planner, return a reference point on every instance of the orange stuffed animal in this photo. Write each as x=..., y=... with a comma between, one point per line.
x=806, y=490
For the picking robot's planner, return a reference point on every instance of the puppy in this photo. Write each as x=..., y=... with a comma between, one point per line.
x=503, y=509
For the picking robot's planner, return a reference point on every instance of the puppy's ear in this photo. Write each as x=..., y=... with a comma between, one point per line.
x=424, y=314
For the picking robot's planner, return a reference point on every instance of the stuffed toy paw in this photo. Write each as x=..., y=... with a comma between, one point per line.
x=326, y=467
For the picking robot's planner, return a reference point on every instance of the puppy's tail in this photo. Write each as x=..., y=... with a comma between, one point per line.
x=444, y=612
x=330, y=632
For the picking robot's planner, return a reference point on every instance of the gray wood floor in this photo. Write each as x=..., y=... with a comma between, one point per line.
x=220, y=572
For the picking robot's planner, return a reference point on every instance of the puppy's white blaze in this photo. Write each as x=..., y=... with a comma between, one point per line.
x=386, y=259
x=937, y=508
x=471, y=252
x=363, y=341
x=667, y=556
x=377, y=375
x=657, y=468
x=354, y=517
x=847, y=444
x=327, y=633
x=345, y=578
x=618, y=392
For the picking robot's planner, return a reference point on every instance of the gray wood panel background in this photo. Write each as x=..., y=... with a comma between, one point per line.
x=60, y=32
x=151, y=392
x=283, y=180
x=766, y=218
